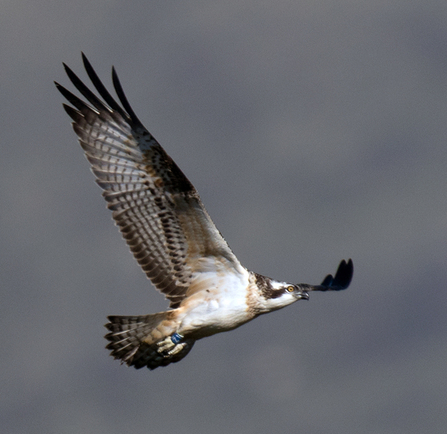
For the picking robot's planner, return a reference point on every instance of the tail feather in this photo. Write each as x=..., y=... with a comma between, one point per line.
x=133, y=340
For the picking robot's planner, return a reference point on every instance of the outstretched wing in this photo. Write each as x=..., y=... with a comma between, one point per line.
x=156, y=208
x=340, y=281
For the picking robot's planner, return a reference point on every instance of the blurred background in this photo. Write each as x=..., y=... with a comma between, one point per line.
x=314, y=131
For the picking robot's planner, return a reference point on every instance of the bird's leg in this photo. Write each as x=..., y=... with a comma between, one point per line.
x=171, y=345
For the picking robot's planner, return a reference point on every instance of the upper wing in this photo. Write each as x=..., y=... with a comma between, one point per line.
x=155, y=206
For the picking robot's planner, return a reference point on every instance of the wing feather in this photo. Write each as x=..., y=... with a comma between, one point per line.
x=156, y=208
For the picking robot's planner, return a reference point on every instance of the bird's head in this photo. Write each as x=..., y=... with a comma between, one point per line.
x=277, y=295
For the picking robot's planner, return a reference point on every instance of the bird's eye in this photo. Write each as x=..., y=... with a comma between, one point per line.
x=290, y=289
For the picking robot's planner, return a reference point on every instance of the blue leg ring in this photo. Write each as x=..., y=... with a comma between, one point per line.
x=176, y=338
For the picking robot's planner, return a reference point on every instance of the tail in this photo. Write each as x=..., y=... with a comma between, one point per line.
x=133, y=339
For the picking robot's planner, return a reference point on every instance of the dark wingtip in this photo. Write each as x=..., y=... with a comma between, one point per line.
x=122, y=97
x=341, y=280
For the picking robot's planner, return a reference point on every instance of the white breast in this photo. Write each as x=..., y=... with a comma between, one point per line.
x=220, y=305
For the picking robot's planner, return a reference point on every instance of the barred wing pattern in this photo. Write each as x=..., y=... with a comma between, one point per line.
x=156, y=208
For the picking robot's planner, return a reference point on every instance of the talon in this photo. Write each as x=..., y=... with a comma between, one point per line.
x=171, y=345
x=176, y=349
x=164, y=345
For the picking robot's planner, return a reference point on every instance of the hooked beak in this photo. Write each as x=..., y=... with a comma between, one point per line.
x=303, y=295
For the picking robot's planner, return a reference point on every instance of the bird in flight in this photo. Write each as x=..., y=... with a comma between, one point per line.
x=171, y=235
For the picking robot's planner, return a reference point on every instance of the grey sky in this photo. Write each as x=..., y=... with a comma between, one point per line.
x=314, y=131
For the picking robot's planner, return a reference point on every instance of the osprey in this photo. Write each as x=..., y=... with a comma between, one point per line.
x=168, y=230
